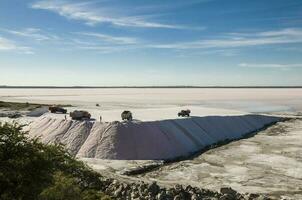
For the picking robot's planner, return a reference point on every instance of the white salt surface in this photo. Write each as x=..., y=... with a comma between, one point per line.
x=251, y=100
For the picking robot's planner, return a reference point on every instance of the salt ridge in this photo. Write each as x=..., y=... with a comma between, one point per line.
x=149, y=140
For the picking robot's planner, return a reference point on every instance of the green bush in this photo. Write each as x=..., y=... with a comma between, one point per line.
x=32, y=170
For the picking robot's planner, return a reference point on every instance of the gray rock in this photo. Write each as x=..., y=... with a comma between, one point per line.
x=228, y=190
x=177, y=197
x=227, y=197
x=118, y=192
x=134, y=194
x=161, y=195
x=153, y=188
x=178, y=188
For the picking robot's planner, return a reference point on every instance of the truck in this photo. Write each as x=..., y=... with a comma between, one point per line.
x=126, y=115
x=80, y=115
x=184, y=113
x=56, y=109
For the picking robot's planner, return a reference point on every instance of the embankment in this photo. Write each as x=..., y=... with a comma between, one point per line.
x=152, y=140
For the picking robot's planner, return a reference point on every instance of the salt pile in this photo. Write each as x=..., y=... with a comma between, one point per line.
x=38, y=112
x=150, y=140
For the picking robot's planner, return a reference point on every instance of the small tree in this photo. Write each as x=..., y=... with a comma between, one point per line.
x=29, y=168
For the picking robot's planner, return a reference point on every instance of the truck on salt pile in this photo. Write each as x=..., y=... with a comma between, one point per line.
x=126, y=115
x=184, y=113
x=56, y=109
x=80, y=115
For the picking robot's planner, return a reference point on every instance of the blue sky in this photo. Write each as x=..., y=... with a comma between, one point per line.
x=154, y=42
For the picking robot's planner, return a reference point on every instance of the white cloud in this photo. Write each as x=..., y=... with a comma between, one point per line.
x=110, y=38
x=283, y=32
x=8, y=45
x=234, y=40
x=102, y=49
x=92, y=16
x=277, y=66
x=34, y=33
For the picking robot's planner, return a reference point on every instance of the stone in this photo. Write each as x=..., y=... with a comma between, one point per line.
x=228, y=190
x=177, y=197
x=178, y=187
x=153, y=188
x=161, y=196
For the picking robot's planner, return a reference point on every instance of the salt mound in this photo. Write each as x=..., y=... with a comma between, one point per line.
x=38, y=112
x=166, y=139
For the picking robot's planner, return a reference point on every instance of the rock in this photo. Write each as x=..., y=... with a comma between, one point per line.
x=253, y=196
x=194, y=197
x=256, y=197
x=177, y=197
x=114, y=182
x=189, y=188
x=263, y=197
x=143, y=191
x=178, y=187
x=227, y=197
x=134, y=194
x=161, y=196
x=228, y=190
x=153, y=188
x=185, y=195
x=118, y=192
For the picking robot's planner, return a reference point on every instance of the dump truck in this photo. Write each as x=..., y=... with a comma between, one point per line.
x=184, y=113
x=80, y=115
x=56, y=109
x=126, y=115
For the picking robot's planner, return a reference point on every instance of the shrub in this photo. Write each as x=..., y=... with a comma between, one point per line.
x=32, y=170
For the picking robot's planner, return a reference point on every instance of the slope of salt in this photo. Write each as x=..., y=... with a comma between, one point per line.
x=76, y=135
x=90, y=146
x=185, y=144
x=191, y=128
x=150, y=140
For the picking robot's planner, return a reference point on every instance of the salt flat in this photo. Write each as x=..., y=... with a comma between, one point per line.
x=251, y=100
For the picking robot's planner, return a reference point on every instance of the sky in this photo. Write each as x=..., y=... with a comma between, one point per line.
x=151, y=42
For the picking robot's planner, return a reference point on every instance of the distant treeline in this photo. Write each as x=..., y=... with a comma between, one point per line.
x=96, y=87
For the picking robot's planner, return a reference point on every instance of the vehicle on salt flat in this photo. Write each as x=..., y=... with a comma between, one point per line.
x=80, y=115
x=127, y=115
x=184, y=113
x=56, y=109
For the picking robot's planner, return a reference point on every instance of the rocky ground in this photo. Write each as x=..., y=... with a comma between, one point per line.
x=152, y=191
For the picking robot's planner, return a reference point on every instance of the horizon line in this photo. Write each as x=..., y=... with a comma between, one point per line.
x=117, y=87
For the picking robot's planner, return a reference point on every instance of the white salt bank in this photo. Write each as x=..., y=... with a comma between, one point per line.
x=145, y=140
